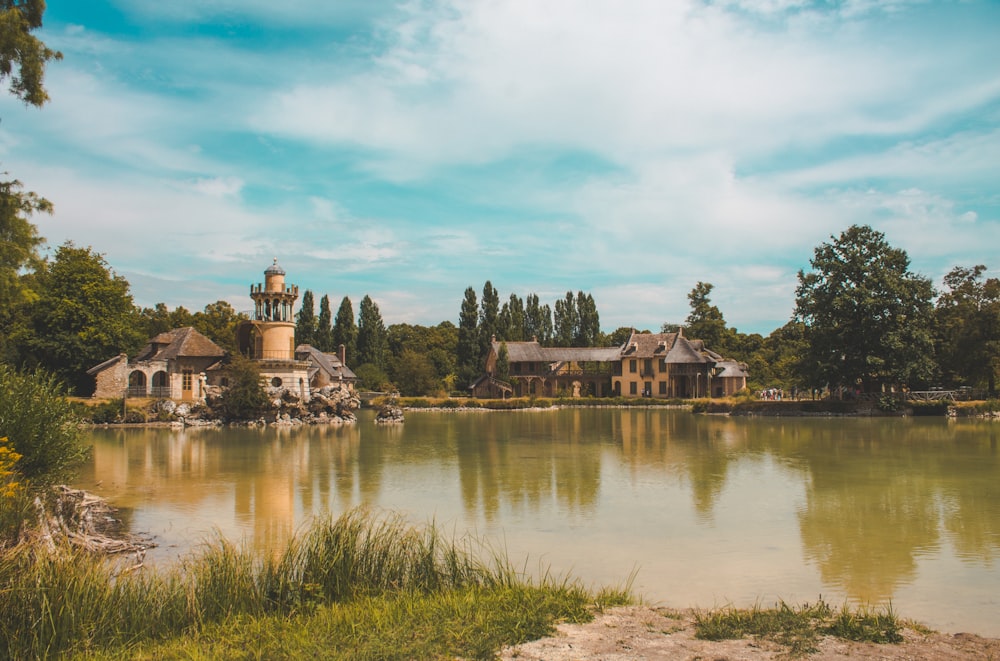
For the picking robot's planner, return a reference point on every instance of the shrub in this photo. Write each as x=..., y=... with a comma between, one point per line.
x=244, y=399
x=39, y=421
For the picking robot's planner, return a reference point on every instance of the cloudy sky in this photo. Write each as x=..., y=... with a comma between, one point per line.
x=627, y=148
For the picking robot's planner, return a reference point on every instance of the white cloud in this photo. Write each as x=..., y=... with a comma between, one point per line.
x=219, y=186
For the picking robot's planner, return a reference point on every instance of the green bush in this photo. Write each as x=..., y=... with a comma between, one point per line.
x=244, y=399
x=39, y=421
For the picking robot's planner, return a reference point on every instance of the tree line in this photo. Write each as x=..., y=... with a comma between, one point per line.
x=863, y=320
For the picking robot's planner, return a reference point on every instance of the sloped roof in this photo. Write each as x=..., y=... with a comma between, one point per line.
x=107, y=363
x=532, y=352
x=731, y=368
x=672, y=347
x=328, y=362
x=180, y=342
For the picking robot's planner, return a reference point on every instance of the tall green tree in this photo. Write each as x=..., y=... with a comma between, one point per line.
x=373, y=346
x=566, y=321
x=324, y=326
x=489, y=316
x=84, y=315
x=588, y=331
x=511, y=324
x=345, y=331
x=705, y=321
x=503, y=363
x=537, y=320
x=305, y=321
x=967, y=328
x=467, y=349
x=866, y=315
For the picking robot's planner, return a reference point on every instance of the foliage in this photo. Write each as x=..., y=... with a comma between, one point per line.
x=372, y=341
x=345, y=331
x=565, y=321
x=489, y=314
x=435, y=344
x=306, y=325
x=967, y=325
x=358, y=585
x=19, y=242
x=22, y=55
x=800, y=628
x=372, y=377
x=245, y=398
x=503, y=363
x=324, y=327
x=467, y=349
x=511, y=323
x=537, y=321
x=38, y=420
x=705, y=322
x=867, y=316
x=414, y=374
x=83, y=315
x=218, y=322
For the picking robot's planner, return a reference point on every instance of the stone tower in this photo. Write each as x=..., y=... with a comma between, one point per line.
x=268, y=337
x=273, y=311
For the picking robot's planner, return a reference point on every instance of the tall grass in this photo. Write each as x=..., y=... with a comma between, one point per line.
x=58, y=602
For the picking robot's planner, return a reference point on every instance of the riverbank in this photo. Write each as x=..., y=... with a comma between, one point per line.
x=660, y=634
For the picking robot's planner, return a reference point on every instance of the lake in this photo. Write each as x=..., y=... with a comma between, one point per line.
x=707, y=510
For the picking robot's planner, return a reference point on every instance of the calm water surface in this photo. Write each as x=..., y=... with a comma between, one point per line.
x=707, y=510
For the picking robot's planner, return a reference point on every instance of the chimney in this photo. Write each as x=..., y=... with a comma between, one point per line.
x=342, y=354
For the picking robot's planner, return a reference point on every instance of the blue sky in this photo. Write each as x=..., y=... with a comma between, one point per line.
x=627, y=148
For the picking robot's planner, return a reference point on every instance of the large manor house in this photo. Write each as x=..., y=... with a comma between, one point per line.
x=182, y=364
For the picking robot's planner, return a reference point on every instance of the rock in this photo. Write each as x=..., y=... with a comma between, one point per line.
x=389, y=414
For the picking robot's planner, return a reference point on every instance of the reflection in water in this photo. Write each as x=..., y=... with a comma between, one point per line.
x=868, y=509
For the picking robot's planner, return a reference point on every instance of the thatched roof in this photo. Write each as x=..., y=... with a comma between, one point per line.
x=180, y=342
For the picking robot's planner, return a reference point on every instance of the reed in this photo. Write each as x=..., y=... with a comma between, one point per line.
x=61, y=602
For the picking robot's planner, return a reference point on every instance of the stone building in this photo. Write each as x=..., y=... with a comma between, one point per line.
x=181, y=363
x=661, y=365
x=268, y=337
x=172, y=365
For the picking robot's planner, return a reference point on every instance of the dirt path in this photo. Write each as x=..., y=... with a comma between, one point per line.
x=636, y=633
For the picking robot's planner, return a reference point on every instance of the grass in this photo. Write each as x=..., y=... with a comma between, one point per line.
x=799, y=628
x=360, y=586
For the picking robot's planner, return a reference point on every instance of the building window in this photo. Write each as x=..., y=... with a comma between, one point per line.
x=186, y=377
x=224, y=382
x=632, y=366
x=663, y=387
x=276, y=382
x=633, y=387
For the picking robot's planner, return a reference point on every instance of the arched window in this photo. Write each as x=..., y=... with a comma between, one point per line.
x=161, y=384
x=137, y=384
x=276, y=382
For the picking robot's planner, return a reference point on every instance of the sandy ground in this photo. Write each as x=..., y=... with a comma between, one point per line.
x=641, y=632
